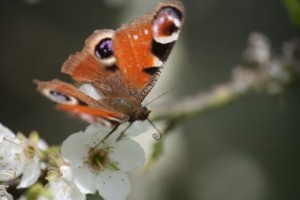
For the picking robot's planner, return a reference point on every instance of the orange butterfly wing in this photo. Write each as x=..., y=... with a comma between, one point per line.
x=92, y=115
x=77, y=103
x=86, y=67
x=143, y=46
x=140, y=50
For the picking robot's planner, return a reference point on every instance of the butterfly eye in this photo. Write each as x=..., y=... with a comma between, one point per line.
x=59, y=97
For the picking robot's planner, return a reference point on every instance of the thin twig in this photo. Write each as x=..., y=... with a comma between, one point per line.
x=264, y=73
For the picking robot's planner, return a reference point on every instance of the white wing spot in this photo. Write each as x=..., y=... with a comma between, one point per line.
x=135, y=37
x=91, y=91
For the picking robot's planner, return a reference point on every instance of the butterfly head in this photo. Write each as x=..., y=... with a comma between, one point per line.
x=142, y=114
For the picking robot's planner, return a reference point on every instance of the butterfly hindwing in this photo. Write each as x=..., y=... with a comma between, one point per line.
x=70, y=99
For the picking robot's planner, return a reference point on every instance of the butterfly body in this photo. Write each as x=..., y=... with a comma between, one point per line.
x=116, y=70
x=129, y=106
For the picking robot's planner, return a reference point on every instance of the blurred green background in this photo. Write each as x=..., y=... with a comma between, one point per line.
x=248, y=151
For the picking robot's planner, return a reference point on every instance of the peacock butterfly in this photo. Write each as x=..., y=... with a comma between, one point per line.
x=116, y=70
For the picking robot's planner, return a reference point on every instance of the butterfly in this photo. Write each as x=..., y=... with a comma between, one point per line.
x=116, y=70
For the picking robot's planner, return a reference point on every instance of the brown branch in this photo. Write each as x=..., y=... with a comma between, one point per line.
x=263, y=73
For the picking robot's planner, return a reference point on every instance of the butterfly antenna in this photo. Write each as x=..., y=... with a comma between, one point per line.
x=159, y=96
x=159, y=134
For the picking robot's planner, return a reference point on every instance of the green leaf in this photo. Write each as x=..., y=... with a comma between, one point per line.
x=293, y=8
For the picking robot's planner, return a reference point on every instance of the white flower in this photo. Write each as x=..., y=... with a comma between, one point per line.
x=64, y=188
x=32, y=167
x=11, y=155
x=136, y=128
x=100, y=163
x=4, y=195
x=19, y=155
x=31, y=172
x=258, y=48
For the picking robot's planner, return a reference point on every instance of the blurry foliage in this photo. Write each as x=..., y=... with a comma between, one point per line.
x=293, y=8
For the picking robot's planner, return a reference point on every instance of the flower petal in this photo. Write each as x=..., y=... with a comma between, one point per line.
x=138, y=128
x=64, y=190
x=4, y=195
x=31, y=173
x=94, y=128
x=113, y=185
x=73, y=148
x=84, y=179
x=42, y=144
x=98, y=133
x=128, y=154
x=66, y=172
x=96, y=138
x=76, y=146
x=4, y=131
x=76, y=194
x=12, y=159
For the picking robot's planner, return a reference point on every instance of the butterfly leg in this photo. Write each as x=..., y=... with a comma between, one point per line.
x=102, y=141
x=110, y=132
x=123, y=132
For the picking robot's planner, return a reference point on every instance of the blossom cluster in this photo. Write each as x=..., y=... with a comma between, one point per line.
x=88, y=161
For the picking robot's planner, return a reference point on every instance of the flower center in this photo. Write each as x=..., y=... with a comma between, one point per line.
x=29, y=151
x=98, y=160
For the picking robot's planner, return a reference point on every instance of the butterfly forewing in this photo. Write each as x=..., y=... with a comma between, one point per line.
x=143, y=46
x=87, y=67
